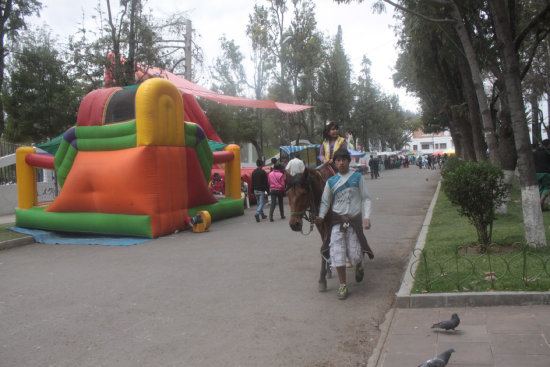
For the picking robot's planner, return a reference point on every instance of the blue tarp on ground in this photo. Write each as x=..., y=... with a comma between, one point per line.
x=63, y=238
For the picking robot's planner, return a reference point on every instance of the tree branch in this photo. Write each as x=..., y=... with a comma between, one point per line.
x=538, y=39
x=533, y=23
x=433, y=20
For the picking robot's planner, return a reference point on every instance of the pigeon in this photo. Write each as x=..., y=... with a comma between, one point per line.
x=440, y=360
x=448, y=324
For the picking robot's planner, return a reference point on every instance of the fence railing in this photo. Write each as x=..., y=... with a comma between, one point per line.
x=7, y=148
x=519, y=267
x=7, y=170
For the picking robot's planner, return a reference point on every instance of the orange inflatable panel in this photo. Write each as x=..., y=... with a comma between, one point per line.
x=148, y=180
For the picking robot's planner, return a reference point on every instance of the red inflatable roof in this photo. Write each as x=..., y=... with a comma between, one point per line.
x=188, y=87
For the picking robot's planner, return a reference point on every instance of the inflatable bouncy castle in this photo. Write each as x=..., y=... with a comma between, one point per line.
x=130, y=166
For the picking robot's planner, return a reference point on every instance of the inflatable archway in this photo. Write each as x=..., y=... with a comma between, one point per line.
x=131, y=166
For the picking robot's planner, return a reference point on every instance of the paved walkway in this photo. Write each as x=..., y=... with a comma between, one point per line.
x=499, y=336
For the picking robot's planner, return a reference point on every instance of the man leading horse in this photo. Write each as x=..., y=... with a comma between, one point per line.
x=346, y=206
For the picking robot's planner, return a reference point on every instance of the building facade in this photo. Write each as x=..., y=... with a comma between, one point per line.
x=422, y=143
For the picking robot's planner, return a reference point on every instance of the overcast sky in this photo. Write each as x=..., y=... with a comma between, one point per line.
x=364, y=33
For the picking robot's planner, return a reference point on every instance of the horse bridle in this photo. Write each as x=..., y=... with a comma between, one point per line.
x=311, y=208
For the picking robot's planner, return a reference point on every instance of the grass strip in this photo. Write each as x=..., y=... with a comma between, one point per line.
x=450, y=261
x=6, y=234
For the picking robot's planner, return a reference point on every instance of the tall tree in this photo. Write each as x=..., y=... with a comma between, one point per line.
x=233, y=124
x=335, y=90
x=305, y=56
x=131, y=40
x=534, y=226
x=366, y=107
x=431, y=65
x=257, y=31
x=41, y=99
x=508, y=37
x=12, y=20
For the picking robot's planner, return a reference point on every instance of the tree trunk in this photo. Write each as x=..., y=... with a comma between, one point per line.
x=129, y=77
x=457, y=140
x=480, y=146
x=460, y=128
x=254, y=142
x=507, y=148
x=532, y=215
x=478, y=83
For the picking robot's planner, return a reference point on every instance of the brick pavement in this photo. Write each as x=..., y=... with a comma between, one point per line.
x=499, y=336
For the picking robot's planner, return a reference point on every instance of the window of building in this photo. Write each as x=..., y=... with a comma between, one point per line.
x=443, y=145
x=415, y=147
x=425, y=146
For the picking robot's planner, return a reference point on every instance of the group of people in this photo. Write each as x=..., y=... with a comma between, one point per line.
x=273, y=183
x=431, y=161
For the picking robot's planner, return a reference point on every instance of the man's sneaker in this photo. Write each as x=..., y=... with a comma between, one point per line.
x=343, y=292
x=257, y=216
x=264, y=216
x=359, y=272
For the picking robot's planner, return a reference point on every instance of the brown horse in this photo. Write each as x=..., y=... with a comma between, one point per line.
x=304, y=192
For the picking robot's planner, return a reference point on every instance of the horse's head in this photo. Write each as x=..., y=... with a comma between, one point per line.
x=299, y=198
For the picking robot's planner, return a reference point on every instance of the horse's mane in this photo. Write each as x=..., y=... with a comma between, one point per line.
x=312, y=178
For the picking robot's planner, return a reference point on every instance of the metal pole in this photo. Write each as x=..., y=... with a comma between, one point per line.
x=188, y=51
x=261, y=136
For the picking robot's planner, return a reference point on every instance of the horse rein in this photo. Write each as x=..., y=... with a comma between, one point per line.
x=311, y=208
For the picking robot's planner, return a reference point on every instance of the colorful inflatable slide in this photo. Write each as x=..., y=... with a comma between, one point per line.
x=131, y=166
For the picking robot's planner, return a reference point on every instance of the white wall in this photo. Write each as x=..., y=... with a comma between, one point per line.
x=8, y=196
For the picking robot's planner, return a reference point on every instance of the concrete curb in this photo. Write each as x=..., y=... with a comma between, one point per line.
x=384, y=332
x=27, y=240
x=471, y=299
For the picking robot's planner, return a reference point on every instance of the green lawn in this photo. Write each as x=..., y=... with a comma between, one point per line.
x=450, y=262
x=6, y=234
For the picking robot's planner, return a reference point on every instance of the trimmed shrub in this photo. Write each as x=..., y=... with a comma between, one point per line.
x=477, y=188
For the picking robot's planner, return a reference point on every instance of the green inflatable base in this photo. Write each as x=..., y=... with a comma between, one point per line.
x=224, y=208
x=114, y=224
x=101, y=223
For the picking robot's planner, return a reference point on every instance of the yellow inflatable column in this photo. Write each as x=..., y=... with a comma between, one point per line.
x=233, y=173
x=26, y=179
x=159, y=114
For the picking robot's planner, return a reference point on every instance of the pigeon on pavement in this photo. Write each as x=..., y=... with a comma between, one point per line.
x=448, y=324
x=440, y=360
